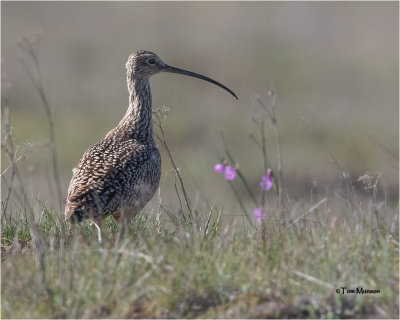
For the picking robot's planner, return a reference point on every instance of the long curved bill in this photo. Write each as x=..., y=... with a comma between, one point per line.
x=170, y=69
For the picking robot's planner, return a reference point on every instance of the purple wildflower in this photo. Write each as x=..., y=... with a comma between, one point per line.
x=230, y=173
x=259, y=214
x=219, y=168
x=266, y=183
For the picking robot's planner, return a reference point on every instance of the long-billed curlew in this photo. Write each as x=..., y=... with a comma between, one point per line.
x=121, y=173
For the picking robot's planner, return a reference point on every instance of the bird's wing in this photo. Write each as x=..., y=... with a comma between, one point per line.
x=98, y=179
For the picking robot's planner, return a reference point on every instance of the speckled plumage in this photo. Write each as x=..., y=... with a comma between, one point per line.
x=122, y=172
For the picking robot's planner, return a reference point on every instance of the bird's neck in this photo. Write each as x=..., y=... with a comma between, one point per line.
x=137, y=123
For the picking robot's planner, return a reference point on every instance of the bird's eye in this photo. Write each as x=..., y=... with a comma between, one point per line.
x=151, y=61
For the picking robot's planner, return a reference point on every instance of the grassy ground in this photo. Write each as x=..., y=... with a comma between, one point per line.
x=214, y=265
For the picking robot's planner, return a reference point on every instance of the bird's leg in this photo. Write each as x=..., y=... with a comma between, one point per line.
x=123, y=224
x=96, y=221
x=116, y=217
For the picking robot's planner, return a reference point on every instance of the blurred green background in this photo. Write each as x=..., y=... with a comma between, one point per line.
x=333, y=65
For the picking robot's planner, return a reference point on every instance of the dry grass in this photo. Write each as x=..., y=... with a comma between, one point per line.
x=212, y=266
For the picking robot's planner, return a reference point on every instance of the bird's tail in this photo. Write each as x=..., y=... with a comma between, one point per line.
x=73, y=215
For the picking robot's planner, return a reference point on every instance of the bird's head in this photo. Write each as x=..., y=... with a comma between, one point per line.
x=144, y=64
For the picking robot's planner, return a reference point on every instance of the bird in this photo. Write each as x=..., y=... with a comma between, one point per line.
x=120, y=174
